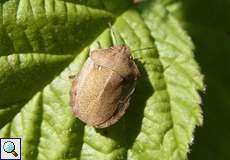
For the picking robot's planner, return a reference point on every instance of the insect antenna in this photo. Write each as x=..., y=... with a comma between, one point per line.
x=113, y=35
x=166, y=67
x=172, y=63
x=147, y=48
x=99, y=44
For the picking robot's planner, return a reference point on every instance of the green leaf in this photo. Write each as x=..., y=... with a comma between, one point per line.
x=46, y=41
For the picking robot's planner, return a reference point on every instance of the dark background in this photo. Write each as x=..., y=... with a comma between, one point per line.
x=208, y=23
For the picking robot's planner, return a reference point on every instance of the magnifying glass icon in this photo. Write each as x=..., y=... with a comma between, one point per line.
x=9, y=147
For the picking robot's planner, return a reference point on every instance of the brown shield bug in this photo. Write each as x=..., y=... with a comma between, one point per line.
x=101, y=91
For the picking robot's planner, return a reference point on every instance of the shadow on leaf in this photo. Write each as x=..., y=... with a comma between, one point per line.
x=7, y=112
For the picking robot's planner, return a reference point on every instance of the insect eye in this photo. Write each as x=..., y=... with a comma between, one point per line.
x=125, y=81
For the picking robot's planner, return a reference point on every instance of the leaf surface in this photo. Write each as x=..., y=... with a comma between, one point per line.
x=46, y=41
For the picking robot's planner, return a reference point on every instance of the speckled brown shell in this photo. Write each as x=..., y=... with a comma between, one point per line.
x=101, y=92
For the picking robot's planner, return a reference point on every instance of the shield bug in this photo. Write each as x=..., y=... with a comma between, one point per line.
x=101, y=91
